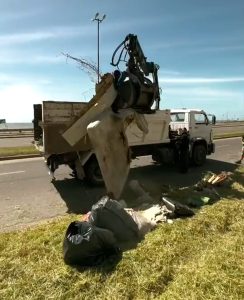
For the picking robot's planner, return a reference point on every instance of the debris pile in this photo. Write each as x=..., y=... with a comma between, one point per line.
x=111, y=228
x=212, y=179
x=205, y=191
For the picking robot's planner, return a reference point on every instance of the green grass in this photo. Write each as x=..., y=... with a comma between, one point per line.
x=10, y=151
x=228, y=135
x=196, y=258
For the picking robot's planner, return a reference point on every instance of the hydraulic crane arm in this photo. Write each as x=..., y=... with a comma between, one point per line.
x=138, y=68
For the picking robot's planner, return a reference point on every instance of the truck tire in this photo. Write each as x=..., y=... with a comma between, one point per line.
x=93, y=173
x=199, y=155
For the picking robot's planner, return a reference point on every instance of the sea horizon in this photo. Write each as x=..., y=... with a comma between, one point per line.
x=16, y=125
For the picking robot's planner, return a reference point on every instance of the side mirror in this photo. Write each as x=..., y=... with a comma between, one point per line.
x=213, y=120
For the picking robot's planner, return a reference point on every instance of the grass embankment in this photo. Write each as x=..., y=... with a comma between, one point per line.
x=12, y=151
x=227, y=135
x=196, y=258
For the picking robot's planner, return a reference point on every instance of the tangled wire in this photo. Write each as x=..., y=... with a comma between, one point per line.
x=87, y=66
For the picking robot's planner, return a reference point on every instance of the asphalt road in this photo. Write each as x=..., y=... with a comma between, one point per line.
x=28, y=196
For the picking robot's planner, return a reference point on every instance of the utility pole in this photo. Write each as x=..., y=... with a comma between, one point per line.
x=99, y=20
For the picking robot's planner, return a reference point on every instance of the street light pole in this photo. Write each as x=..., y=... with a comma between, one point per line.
x=99, y=20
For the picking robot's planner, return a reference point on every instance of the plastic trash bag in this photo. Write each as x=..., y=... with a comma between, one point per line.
x=87, y=245
x=110, y=214
x=144, y=224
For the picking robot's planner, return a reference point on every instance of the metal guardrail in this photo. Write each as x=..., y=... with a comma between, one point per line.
x=16, y=133
x=16, y=130
x=228, y=125
x=219, y=128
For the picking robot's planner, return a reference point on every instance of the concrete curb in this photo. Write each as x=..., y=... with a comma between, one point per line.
x=20, y=156
x=221, y=137
x=16, y=136
x=41, y=155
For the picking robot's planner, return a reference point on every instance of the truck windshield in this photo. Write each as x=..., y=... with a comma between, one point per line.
x=201, y=118
x=177, y=117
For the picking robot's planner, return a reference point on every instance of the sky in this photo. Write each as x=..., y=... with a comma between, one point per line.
x=198, y=44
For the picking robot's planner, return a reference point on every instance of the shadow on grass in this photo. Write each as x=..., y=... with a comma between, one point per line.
x=79, y=197
x=106, y=267
x=154, y=178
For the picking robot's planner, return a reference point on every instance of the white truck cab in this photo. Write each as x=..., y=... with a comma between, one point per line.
x=199, y=128
x=194, y=120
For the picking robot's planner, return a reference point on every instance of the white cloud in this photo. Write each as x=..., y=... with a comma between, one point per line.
x=50, y=33
x=213, y=100
x=16, y=102
x=57, y=32
x=47, y=59
x=200, y=92
x=5, y=78
x=8, y=79
x=161, y=45
x=115, y=25
x=219, y=48
x=206, y=44
x=169, y=72
x=197, y=80
x=15, y=15
x=18, y=57
x=21, y=38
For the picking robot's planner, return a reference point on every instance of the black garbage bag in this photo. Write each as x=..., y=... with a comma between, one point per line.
x=109, y=214
x=87, y=245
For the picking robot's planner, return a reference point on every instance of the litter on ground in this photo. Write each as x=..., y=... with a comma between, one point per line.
x=111, y=227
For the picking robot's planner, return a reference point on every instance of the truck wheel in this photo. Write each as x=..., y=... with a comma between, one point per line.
x=199, y=155
x=93, y=172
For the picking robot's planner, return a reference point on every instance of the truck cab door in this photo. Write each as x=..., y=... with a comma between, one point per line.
x=200, y=126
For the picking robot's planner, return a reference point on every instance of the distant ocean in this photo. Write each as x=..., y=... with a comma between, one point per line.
x=16, y=126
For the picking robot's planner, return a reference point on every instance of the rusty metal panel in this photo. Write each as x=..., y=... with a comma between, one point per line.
x=59, y=112
x=54, y=143
x=56, y=118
